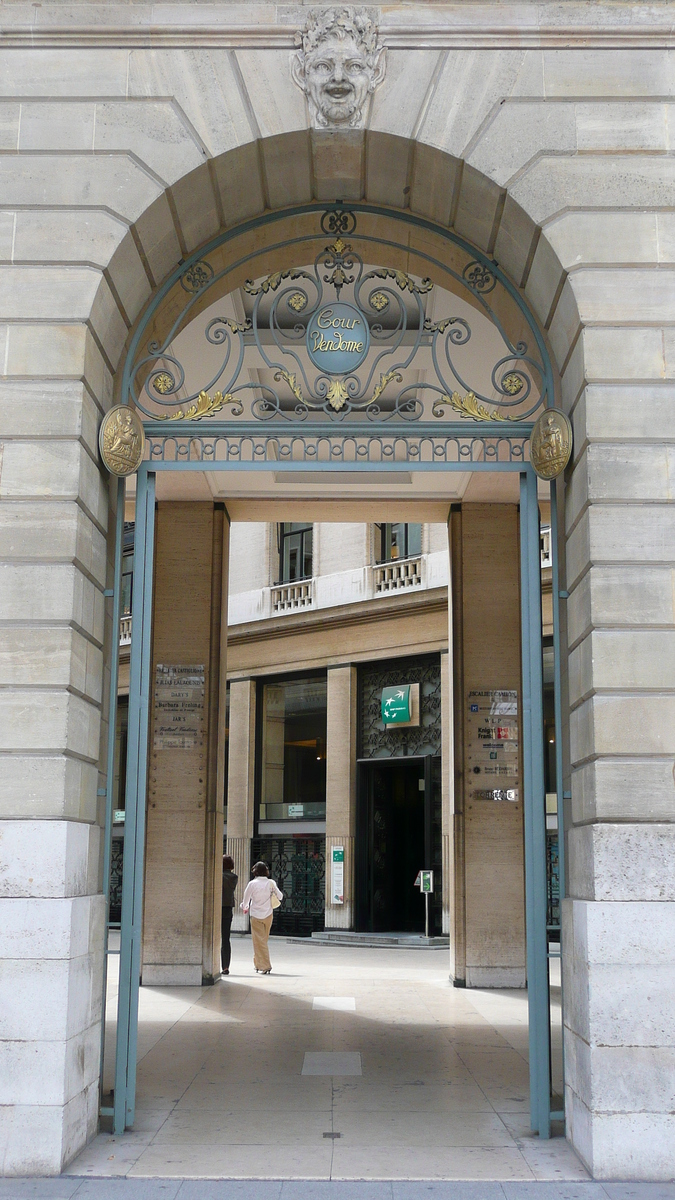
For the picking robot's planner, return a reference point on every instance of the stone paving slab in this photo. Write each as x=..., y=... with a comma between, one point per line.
x=73, y=1187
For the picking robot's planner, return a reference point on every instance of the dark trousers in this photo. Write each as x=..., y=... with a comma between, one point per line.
x=226, y=948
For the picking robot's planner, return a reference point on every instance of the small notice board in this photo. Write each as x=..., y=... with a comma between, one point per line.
x=179, y=706
x=492, y=757
x=337, y=874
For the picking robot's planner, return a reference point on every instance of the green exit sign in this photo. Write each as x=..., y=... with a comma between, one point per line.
x=396, y=704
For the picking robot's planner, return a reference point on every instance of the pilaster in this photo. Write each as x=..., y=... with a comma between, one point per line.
x=240, y=785
x=341, y=737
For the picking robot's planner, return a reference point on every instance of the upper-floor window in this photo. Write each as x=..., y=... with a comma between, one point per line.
x=127, y=570
x=295, y=551
x=397, y=541
x=545, y=546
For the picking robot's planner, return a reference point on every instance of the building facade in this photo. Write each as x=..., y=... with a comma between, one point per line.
x=538, y=137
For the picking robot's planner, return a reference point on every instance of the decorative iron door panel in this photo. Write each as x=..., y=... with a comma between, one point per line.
x=298, y=864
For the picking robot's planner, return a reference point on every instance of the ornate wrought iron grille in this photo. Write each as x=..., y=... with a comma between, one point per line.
x=378, y=742
x=380, y=382
x=115, y=893
x=299, y=866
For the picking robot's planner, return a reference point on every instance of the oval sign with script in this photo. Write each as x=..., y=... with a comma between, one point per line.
x=338, y=339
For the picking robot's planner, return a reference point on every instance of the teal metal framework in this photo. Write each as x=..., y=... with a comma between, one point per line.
x=349, y=445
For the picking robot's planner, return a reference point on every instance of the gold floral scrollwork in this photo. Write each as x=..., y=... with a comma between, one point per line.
x=512, y=383
x=390, y=377
x=379, y=301
x=163, y=383
x=205, y=406
x=292, y=382
x=403, y=281
x=438, y=326
x=297, y=301
x=121, y=441
x=271, y=283
x=337, y=395
x=466, y=406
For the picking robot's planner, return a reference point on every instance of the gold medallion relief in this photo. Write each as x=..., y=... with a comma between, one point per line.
x=121, y=441
x=551, y=444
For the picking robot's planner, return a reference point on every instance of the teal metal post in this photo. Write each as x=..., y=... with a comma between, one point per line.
x=557, y=701
x=534, y=809
x=557, y=686
x=110, y=756
x=134, y=822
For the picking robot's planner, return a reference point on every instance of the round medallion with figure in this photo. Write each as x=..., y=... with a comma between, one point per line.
x=551, y=444
x=121, y=441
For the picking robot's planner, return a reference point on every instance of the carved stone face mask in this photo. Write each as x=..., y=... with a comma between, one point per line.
x=338, y=78
x=339, y=64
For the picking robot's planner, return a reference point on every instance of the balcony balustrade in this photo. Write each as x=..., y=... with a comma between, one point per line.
x=289, y=597
x=399, y=575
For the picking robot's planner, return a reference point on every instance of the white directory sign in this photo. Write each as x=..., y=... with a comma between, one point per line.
x=337, y=874
x=492, y=748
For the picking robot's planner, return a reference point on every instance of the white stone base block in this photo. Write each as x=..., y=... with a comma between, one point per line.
x=496, y=977
x=622, y=1146
x=619, y=1029
x=339, y=916
x=41, y=1139
x=172, y=975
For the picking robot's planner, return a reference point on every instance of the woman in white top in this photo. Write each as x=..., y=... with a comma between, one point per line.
x=258, y=903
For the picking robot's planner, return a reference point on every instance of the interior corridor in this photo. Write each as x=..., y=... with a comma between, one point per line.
x=225, y=1088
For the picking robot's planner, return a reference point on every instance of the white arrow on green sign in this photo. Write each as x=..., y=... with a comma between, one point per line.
x=396, y=704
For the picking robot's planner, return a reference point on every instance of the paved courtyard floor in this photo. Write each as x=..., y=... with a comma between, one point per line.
x=346, y=1063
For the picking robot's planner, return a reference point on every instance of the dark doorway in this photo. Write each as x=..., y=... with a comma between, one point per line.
x=396, y=838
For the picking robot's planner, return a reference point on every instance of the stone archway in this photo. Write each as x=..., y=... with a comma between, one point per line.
x=65, y=338
x=219, y=266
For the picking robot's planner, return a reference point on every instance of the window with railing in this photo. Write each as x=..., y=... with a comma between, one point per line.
x=398, y=554
x=127, y=583
x=295, y=551
x=127, y=569
x=545, y=546
x=400, y=540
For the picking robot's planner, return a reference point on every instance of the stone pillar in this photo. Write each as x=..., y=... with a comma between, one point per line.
x=618, y=554
x=215, y=776
x=447, y=775
x=455, y=846
x=341, y=737
x=493, y=831
x=181, y=783
x=55, y=565
x=241, y=785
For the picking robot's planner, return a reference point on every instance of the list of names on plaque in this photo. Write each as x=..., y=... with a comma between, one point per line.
x=492, y=745
x=179, y=706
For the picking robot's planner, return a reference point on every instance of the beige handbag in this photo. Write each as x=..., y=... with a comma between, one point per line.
x=274, y=899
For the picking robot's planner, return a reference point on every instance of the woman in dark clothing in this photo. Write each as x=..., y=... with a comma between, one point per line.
x=229, y=885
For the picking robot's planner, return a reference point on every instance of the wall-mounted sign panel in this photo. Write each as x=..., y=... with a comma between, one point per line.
x=400, y=705
x=179, y=706
x=396, y=704
x=337, y=875
x=492, y=758
x=338, y=338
